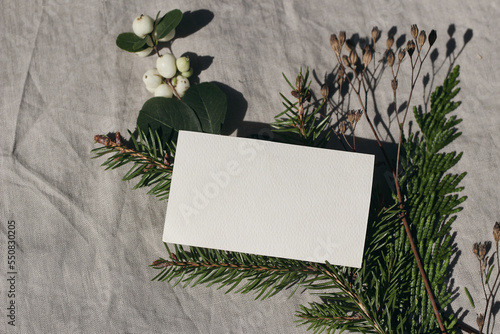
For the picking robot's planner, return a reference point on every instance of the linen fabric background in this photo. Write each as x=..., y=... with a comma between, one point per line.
x=85, y=238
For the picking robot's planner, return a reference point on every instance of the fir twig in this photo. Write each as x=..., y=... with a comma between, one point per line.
x=151, y=160
x=119, y=147
x=238, y=271
x=302, y=121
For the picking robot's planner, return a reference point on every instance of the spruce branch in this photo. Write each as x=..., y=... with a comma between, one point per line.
x=240, y=272
x=151, y=159
x=118, y=146
x=302, y=121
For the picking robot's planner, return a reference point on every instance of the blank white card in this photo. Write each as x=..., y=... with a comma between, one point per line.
x=267, y=198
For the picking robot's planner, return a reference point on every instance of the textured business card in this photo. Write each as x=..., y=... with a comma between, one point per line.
x=267, y=198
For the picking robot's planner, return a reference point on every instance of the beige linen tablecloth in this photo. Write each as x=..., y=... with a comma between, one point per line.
x=85, y=239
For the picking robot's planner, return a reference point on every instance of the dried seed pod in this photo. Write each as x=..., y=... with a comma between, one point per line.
x=342, y=38
x=342, y=127
x=367, y=55
x=353, y=57
x=390, y=57
x=421, y=39
x=345, y=59
x=375, y=34
x=475, y=249
x=480, y=322
x=414, y=31
x=325, y=91
x=410, y=47
x=482, y=250
x=390, y=42
x=401, y=54
x=340, y=76
x=394, y=84
x=351, y=116
x=359, y=113
x=432, y=37
x=334, y=42
x=496, y=232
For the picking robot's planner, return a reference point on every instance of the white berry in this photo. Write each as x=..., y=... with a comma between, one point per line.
x=152, y=79
x=164, y=90
x=183, y=64
x=182, y=85
x=188, y=73
x=143, y=25
x=166, y=65
x=144, y=53
x=167, y=37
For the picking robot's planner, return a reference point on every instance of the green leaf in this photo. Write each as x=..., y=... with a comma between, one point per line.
x=156, y=18
x=489, y=274
x=130, y=42
x=210, y=105
x=168, y=22
x=140, y=45
x=470, y=297
x=168, y=116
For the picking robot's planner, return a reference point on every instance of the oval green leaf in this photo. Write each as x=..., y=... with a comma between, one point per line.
x=140, y=45
x=210, y=105
x=168, y=22
x=167, y=116
x=130, y=42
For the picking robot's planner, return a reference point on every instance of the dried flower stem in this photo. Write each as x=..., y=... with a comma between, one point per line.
x=492, y=289
x=414, y=78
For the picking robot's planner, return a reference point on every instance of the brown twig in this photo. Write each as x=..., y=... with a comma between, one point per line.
x=169, y=82
x=118, y=146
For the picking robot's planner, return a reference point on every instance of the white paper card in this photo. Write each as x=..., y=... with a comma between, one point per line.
x=267, y=198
